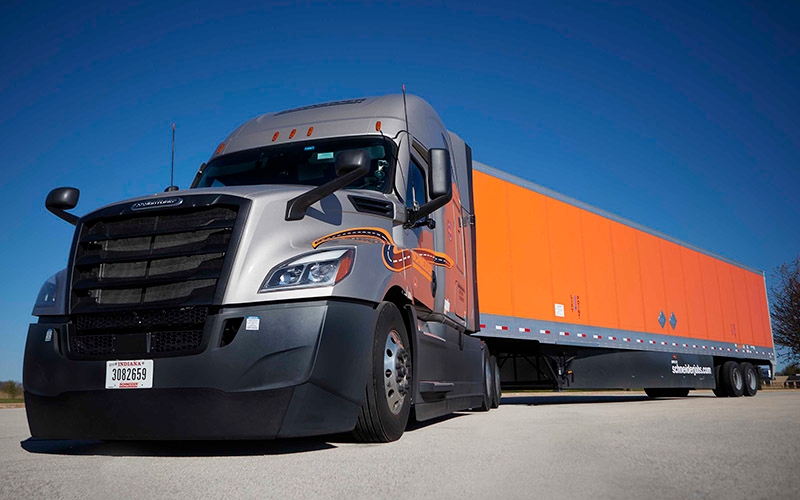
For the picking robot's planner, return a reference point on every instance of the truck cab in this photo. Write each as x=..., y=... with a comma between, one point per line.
x=317, y=277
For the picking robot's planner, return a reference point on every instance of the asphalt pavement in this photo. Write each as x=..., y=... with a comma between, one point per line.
x=543, y=446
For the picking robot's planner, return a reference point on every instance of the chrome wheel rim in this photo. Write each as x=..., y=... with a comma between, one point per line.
x=396, y=371
x=751, y=379
x=738, y=383
x=488, y=377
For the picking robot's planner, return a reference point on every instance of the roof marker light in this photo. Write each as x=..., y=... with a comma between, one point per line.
x=310, y=131
x=291, y=134
x=275, y=136
x=220, y=148
x=378, y=125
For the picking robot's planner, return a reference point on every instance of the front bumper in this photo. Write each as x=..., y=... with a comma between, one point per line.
x=301, y=373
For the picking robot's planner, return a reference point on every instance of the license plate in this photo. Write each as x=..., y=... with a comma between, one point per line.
x=133, y=374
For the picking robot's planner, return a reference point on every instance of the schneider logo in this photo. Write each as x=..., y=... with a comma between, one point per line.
x=689, y=369
x=159, y=203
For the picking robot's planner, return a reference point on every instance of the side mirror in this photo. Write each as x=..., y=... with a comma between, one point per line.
x=440, y=186
x=352, y=160
x=61, y=199
x=441, y=183
x=350, y=166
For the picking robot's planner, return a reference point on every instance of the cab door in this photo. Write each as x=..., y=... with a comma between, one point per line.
x=421, y=240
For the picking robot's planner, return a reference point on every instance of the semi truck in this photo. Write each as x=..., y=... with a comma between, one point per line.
x=345, y=267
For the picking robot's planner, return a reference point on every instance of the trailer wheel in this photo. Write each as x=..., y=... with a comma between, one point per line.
x=385, y=412
x=750, y=378
x=497, y=393
x=488, y=382
x=719, y=390
x=731, y=379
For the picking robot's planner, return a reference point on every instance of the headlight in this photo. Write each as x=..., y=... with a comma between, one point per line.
x=316, y=269
x=48, y=294
x=50, y=301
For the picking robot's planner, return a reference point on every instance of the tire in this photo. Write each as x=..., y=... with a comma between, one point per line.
x=750, y=379
x=488, y=384
x=719, y=391
x=498, y=391
x=385, y=412
x=731, y=379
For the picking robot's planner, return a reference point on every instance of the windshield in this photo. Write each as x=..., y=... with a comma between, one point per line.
x=310, y=163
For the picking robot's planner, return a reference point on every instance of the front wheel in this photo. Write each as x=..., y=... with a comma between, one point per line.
x=385, y=412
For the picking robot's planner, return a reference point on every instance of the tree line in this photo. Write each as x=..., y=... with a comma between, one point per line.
x=785, y=308
x=12, y=388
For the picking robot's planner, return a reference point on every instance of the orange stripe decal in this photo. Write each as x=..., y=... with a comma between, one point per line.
x=395, y=258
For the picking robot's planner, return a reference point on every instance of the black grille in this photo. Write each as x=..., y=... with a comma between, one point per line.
x=143, y=283
x=133, y=261
x=172, y=342
x=93, y=345
x=110, y=344
x=172, y=331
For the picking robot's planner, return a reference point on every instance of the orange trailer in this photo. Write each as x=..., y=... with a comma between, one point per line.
x=573, y=296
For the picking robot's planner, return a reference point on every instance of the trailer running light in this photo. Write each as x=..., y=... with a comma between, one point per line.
x=311, y=270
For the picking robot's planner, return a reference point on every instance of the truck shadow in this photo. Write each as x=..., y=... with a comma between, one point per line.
x=201, y=448
x=568, y=399
x=175, y=448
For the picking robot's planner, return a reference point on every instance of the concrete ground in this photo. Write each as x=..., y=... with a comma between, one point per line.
x=559, y=446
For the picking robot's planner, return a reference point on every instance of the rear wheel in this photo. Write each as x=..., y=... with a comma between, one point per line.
x=731, y=379
x=385, y=412
x=750, y=379
x=719, y=390
x=498, y=391
x=488, y=384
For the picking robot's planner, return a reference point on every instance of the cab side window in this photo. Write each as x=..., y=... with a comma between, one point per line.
x=415, y=191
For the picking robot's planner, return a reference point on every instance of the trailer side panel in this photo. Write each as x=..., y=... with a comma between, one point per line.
x=557, y=271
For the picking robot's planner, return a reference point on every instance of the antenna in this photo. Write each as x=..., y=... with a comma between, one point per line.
x=408, y=131
x=172, y=165
x=412, y=211
x=172, y=186
x=405, y=112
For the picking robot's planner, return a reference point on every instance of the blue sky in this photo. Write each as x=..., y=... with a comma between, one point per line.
x=681, y=116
